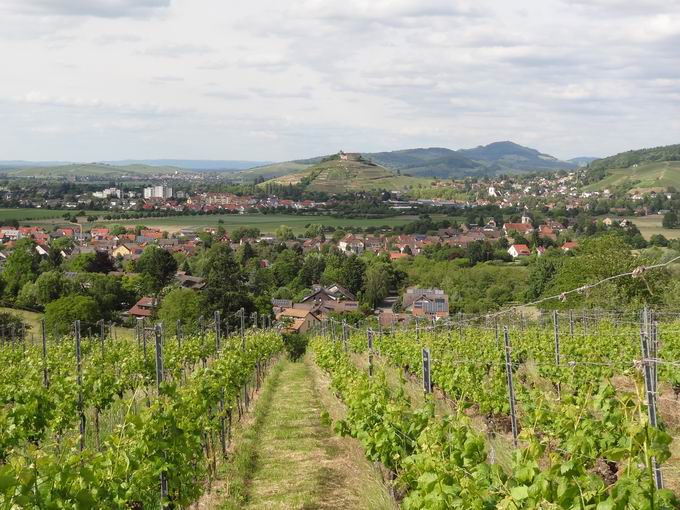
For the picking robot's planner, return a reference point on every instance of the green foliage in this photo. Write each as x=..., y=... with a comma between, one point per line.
x=22, y=266
x=159, y=264
x=295, y=345
x=225, y=284
x=183, y=305
x=61, y=313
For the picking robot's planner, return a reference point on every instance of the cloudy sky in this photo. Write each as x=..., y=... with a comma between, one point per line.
x=87, y=80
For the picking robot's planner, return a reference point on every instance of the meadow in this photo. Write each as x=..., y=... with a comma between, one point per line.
x=266, y=223
x=651, y=225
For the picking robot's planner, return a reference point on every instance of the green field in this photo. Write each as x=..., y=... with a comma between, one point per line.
x=651, y=225
x=266, y=223
x=644, y=177
x=25, y=215
x=91, y=170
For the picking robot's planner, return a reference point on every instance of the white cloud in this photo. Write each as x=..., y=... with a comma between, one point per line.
x=94, y=8
x=265, y=79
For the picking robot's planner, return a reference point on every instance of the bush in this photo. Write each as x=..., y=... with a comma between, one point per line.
x=295, y=345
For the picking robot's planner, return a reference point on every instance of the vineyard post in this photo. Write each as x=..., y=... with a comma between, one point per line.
x=557, y=337
x=44, y=352
x=218, y=340
x=654, y=350
x=417, y=330
x=143, y=329
x=101, y=336
x=521, y=321
x=255, y=320
x=571, y=322
x=557, y=349
x=179, y=333
x=79, y=379
x=495, y=325
x=332, y=330
x=159, y=381
x=511, y=388
x=246, y=397
x=111, y=330
x=427, y=374
x=649, y=386
x=369, y=334
x=344, y=335
x=585, y=323
x=242, y=311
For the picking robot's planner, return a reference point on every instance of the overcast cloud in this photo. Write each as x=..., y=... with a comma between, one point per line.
x=92, y=80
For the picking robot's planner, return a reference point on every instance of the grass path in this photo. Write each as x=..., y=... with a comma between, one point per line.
x=296, y=461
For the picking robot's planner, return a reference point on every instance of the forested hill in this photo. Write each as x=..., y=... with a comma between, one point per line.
x=629, y=158
x=643, y=164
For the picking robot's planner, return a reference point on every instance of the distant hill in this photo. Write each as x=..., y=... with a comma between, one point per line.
x=582, y=161
x=91, y=170
x=192, y=164
x=641, y=170
x=629, y=158
x=643, y=177
x=511, y=156
x=432, y=162
x=337, y=176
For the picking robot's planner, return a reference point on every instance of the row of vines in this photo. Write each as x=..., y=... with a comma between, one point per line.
x=122, y=424
x=584, y=434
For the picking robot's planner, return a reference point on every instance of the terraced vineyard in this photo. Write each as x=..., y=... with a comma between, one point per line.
x=561, y=418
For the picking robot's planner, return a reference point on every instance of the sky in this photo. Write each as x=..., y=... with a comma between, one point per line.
x=91, y=80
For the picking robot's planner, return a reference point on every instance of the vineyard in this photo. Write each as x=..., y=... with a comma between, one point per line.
x=553, y=413
x=94, y=422
x=569, y=410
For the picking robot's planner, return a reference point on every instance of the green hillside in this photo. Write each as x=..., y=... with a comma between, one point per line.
x=272, y=171
x=655, y=176
x=336, y=176
x=91, y=170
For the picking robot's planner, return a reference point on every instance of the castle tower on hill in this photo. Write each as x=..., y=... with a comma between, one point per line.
x=349, y=156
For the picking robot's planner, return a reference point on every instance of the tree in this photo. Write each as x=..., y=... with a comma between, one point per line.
x=244, y=232
x=63, y=312
x=50, y=286
x=22, y=266
x=100, y=263
x=670, y=220
x=225, y=286
x=183, y=305
x=353, y=272
x=312, y=269
x=11, y=322
x=245, y=253
x=658, y=240
x=286, y=267
x=284, y=233
x=376, y=285
x=159, y=264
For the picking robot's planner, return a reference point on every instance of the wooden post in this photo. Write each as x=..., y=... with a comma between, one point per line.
x=159, y=381
x=46, y=381
x=369, y=334
x=218, y=332
x=647, y=364
x=79, y=379
x=571, y=322
x=556, y=333
x=427, y=374
x=511, y=388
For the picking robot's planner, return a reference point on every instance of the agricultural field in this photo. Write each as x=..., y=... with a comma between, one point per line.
x=27, y=215
x=651, y=225
x=266, y=223
x=561, y=412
